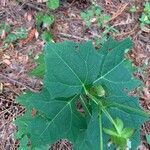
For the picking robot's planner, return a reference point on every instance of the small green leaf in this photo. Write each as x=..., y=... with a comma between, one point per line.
x=145, y=17
x=106, y=18
x=133, y=9
x=121, y=143
x=98, y=11
x=83, y=15
x=147, y=7
x=39, y=71
x=111, y=132
x=90, y=13
x=10, y=38
x=148, y=138
x=119, y=124
x=46, y=36
x=53, y=4
x=21, y=33
x=39, y=19
x=4, y=27
x=127, y=133
x=47, y=20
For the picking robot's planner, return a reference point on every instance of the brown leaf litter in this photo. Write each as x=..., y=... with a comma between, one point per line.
x=17, y=60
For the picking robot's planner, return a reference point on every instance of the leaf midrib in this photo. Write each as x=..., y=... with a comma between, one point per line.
x=132, y=109
x=68, y=67
x=102, y=77
x=68, y=103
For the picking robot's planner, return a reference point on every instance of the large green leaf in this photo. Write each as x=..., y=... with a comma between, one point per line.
x=89, y=139
x=53, y=117
x=128, y=110
x=114, y=73
x=73, y=70
x=71, y=66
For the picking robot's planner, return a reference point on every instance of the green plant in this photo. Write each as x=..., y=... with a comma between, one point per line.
x=133, y=9
x=145, y=17
x=46, y=20
x=97, y=79
x=19, y=33
x=95, y=11
x=11, y=35
x=96, y=15
x=4, y=28
x=39, y=71
x=53, y=4
x=47, y=36
x=148, y=138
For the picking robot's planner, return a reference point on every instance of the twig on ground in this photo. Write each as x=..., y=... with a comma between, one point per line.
x=119, y=12
x=72, y=36
x=128, y=33
x=18, y=82
x=33, y=6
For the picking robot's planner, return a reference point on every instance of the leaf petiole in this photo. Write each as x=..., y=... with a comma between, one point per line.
x=101, y=132
x=98, y=102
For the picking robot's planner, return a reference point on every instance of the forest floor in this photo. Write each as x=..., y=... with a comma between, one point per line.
x=18, y=57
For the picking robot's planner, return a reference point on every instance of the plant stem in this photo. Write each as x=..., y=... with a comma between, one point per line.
x=101, y=132
x=98, y=102
x=110, y=119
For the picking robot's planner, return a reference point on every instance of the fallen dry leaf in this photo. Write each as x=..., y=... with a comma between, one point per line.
x=6, y=61
x=1, y=88
x=30, y=37
x=108, y=2
x=36, y=34
x=41, y=1
x=3, y=35
x=6, y=56
x=28, y=16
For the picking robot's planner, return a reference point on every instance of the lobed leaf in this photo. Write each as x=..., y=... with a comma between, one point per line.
x=71, y=70
x=71, y=67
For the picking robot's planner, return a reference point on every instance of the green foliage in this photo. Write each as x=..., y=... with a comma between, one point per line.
x=73, y=72
x=46, y=20
x=53, y=4
x=96, y=12
x=46, y=36
x=145, y=17
x=4, y=27
x=133, y=9
x=12, y=35
x=96, y=15
x=120, y=135
x=148, y=139
x=39, y=71
x=23, y=143
x=20, y=33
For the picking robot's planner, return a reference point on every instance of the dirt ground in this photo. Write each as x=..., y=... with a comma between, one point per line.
x=17, y=59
